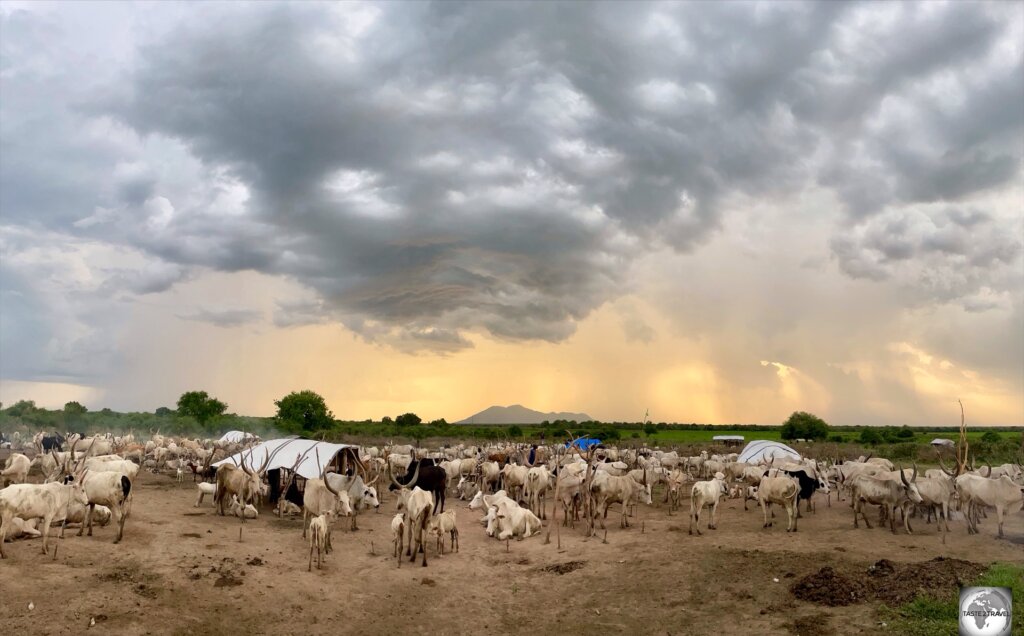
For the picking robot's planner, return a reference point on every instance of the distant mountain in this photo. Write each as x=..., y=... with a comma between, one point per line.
x=519, y=414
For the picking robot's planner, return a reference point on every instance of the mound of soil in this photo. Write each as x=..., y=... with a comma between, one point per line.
x=563, y=568
x=828, y=587
x=901, y=582
x=886, y=581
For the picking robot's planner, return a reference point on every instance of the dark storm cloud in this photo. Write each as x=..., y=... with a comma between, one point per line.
x=429, y=170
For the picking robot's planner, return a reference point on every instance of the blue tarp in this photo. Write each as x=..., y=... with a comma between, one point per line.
x=583, y=442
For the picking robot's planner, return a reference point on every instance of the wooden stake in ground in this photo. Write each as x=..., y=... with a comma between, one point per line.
x=962, y=445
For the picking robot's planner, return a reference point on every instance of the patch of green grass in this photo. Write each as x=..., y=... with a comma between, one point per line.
x=928, y=615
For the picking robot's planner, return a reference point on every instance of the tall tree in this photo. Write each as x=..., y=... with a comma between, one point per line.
x=199, y=405
x=303, y=411
x=408, y=419
x=802, y=425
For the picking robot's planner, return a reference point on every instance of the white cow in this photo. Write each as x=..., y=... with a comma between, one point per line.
x=706, y=494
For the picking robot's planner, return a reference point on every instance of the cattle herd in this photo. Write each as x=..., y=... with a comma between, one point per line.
x=52, y=480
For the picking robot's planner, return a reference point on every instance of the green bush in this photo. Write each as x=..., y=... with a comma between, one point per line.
x=991, y=437
x=870, y=436
x=802, y=425
x=408, y=419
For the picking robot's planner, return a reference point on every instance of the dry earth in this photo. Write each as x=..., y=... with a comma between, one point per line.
x=183, y=570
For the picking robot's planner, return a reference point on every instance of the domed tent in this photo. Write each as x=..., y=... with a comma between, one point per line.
x=762, y=451
x=284, y=452
x=236, y=436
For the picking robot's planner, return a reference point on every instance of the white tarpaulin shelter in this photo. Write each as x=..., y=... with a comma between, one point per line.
x=762, y=450
x=236, y=436
x=729, y=440
x=938, y=441
x=287, y=451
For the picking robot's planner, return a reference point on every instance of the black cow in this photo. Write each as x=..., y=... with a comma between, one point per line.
x=808, y=485
x=429, y=477
x=52, y=442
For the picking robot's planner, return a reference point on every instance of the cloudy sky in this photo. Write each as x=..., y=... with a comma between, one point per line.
x=720, y=212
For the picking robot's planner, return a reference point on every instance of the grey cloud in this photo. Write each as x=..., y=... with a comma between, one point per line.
x=299, y=313
x=152, y=279
x=224, y=317
x=634, y=327
x=455, y=168
x=942, y=255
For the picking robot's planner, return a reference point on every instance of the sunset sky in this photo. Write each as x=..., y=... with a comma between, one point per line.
x=720, y=212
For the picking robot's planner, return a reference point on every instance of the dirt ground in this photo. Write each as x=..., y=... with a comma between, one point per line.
x=183, y=570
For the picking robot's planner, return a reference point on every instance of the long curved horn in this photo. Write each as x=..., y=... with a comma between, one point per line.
x=242, y=463
x=903, y=477
x=88, y=454
x=391, y=476
x=524, y=456
x=415, y=476
x=989, y=473
x=914, y=476
x=942, y=465
x=869, y=456
x=323, y=475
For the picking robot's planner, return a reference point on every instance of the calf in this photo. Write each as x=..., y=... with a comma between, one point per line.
x=321, y=498
x=442, y=524
x=466, y=488
x=398, y=533
x=21, y=528
x=319, y=539
x=676, y=481
x=236, y=508
x=204, y=489
x=706, y=494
